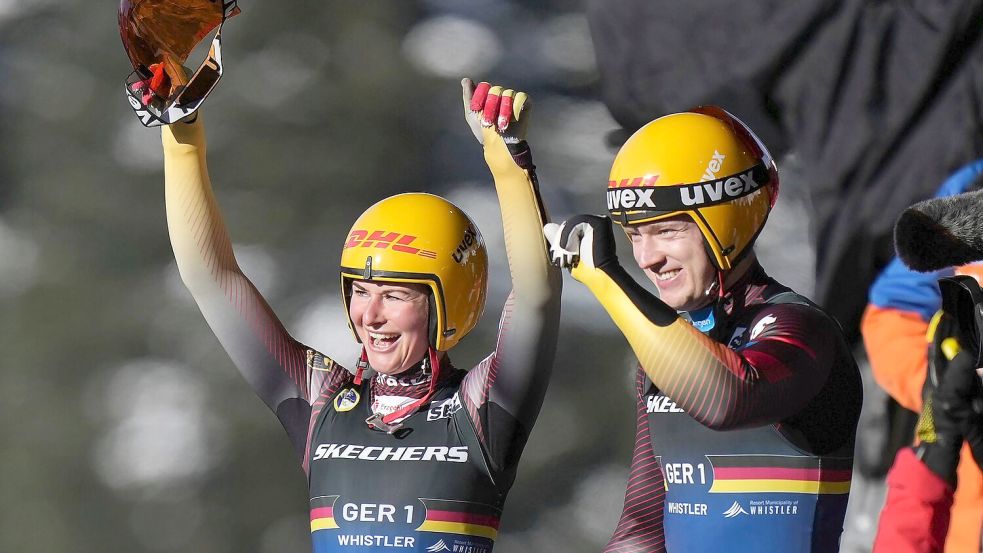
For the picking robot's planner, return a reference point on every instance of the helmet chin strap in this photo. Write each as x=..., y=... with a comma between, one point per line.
x=736, y=273
x=714, y=287
x=363, y=363
x=721, y=292
x=715, y=291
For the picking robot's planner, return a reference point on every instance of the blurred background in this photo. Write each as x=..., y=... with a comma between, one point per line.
x=123, y=424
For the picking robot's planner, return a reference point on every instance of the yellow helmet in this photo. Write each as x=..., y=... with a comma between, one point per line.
x=704, y=163
x=424, y=239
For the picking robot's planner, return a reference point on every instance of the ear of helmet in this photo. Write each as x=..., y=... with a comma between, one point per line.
x=424, y=239
x=704, y=163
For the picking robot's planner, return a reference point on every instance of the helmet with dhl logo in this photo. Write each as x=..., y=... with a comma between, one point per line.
x=423, y=239
x=703, y=163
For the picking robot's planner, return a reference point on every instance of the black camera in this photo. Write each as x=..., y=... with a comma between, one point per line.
x=962, y=301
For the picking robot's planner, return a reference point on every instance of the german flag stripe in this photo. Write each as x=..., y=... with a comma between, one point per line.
x=322, y=512
x=464, y=518
x=322, y=519
x=323, y=524
x=464, y=529
x=780, y=474
x=459, y=517
x=463, y=507
x=781, y=461
x=777, y=473
x=779, y=486
x=322, y=515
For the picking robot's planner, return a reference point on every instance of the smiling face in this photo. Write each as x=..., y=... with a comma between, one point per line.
x=391, y=321
x=672, y=254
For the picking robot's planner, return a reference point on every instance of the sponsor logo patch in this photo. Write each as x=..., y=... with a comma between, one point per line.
x=456, y=454
x=373, y=541
x=641, y=194
x=444, y=409
x=703, y=319
x=630, y=198
x=438, y=547
x=691, y=509
x=735, y=510
x=714, y=166
x=383, y=239
x=736, y=186
x=464, y=249
x=346, y=400
x=762, y=325
x=662, y=404
x=767, y=507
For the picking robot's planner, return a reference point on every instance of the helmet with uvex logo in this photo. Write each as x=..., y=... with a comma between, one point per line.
x=423, y=239
x=704, y=163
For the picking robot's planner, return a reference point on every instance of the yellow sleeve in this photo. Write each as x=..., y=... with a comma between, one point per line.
x=516, y=374
x=765, y=382
x=267, y=356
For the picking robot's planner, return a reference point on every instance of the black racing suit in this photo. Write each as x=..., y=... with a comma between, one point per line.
x=745, y=433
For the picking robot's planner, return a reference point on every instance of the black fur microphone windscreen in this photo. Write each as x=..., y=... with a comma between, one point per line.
x=941, y=232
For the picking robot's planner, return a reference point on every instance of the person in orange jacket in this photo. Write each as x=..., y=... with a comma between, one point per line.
x=894, y=326
x=916, y=515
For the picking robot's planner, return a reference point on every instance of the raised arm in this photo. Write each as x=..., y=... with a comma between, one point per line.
x=773, y=377
x=505, y=392
x=276, y=365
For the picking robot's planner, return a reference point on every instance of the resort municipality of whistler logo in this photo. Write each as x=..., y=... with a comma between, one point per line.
x=765, y=507
x=735, y=510
x=438, y=547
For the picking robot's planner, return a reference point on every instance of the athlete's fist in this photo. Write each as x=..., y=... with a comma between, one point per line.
x=582, y=244
x=490, y=109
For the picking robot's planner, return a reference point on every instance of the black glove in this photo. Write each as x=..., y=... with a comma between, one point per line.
x=948, y=415
x=582, y=243
x=585, y=245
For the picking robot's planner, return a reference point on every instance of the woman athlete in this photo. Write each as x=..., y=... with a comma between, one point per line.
x=417, y=455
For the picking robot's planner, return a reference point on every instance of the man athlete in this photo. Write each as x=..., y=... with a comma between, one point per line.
x=748, y=396
x=419, y=457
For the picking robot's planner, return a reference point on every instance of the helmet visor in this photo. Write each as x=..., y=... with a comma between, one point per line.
x=159, y=36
